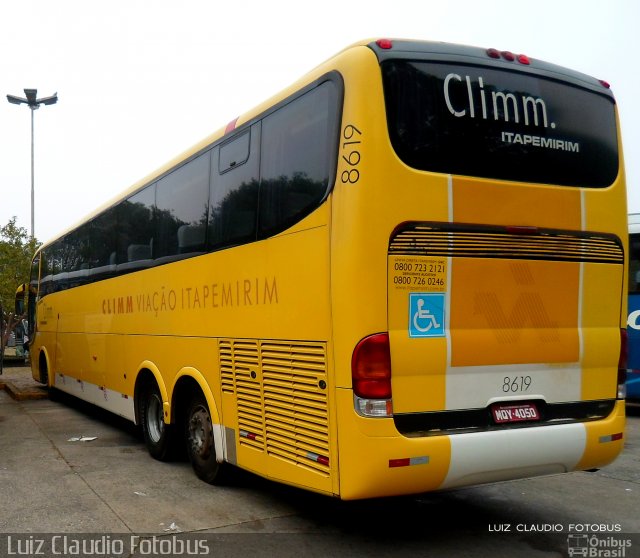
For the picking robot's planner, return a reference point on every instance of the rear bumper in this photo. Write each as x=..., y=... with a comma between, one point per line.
x=375, y=460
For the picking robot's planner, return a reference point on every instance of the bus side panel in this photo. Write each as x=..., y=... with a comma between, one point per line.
x=44, y=341
x=175, y=316
x=276, y=387
x=363, y=217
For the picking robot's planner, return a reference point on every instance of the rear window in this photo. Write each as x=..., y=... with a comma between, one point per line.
x=479, y=121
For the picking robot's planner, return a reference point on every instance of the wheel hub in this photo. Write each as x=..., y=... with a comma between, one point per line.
x=155, y=419
x=201, y=433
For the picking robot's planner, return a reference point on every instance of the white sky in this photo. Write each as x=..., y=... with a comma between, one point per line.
x=139, y=81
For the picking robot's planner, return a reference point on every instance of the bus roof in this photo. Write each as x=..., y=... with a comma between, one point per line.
x=504, y=59
x=384, y=49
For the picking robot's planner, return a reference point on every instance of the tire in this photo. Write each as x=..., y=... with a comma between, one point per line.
x=43, y=370
x=158, y=436
x=200, y=441
x=52, y=391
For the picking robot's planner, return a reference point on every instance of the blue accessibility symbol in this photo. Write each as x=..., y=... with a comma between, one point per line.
x=426, y=314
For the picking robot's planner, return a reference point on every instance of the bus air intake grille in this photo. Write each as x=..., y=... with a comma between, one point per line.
x=295, y=399
x=474, y=241
x=281, y=394
x=239, y=365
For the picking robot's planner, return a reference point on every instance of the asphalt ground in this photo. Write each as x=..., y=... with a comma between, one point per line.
x=71, y=473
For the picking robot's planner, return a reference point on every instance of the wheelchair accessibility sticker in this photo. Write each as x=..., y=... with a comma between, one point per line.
x=426, y=314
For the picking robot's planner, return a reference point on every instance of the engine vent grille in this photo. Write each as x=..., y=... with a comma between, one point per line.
x=472, y=241
x=281, y=394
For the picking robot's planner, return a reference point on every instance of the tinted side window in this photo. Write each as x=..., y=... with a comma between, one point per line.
x=72, y=251
x=298, y=145
x=77, y=256
x=57, y=261
x=234, y=194
x=135, y=227
x=34, y=275
x=103, y=235
x=46, y=272
x=235, y=152
x=181, y=209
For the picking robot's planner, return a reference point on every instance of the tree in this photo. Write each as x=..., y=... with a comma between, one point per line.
x=16, y=251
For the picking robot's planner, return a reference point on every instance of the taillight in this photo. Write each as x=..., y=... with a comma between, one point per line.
x=371, y=375
x=622, y=365
x=371, y=367
x=508, y=56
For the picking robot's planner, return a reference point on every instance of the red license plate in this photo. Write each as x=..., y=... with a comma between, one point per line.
x=516, y=412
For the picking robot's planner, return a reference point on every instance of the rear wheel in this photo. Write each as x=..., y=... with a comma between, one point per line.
x=43, y=369
x=199, y=435
x=158, y=436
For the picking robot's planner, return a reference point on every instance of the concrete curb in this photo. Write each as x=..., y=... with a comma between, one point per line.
x=21, y=387
x=24, y=394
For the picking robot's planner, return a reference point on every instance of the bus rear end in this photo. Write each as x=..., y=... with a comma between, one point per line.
x=478, y=285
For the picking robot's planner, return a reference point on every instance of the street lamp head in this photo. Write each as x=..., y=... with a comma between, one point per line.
x=31, y=96
x=32, y=99
x=16, y=100
x=48, y=100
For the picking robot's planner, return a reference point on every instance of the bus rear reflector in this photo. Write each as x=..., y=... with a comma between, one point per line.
x=408, y=461
x=611, y=438
x=371, y=367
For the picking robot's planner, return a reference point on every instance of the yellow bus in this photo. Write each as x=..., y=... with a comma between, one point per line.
x=404, y=273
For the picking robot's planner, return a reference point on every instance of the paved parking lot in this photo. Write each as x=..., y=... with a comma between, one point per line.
x=52, y=482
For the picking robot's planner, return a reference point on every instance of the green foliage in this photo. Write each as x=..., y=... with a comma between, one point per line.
x=16, y=251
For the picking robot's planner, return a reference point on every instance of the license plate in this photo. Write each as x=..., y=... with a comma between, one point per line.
x=518, y=412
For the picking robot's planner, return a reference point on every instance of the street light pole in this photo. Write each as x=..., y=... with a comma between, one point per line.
x=33, y=180
x=34, y=104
